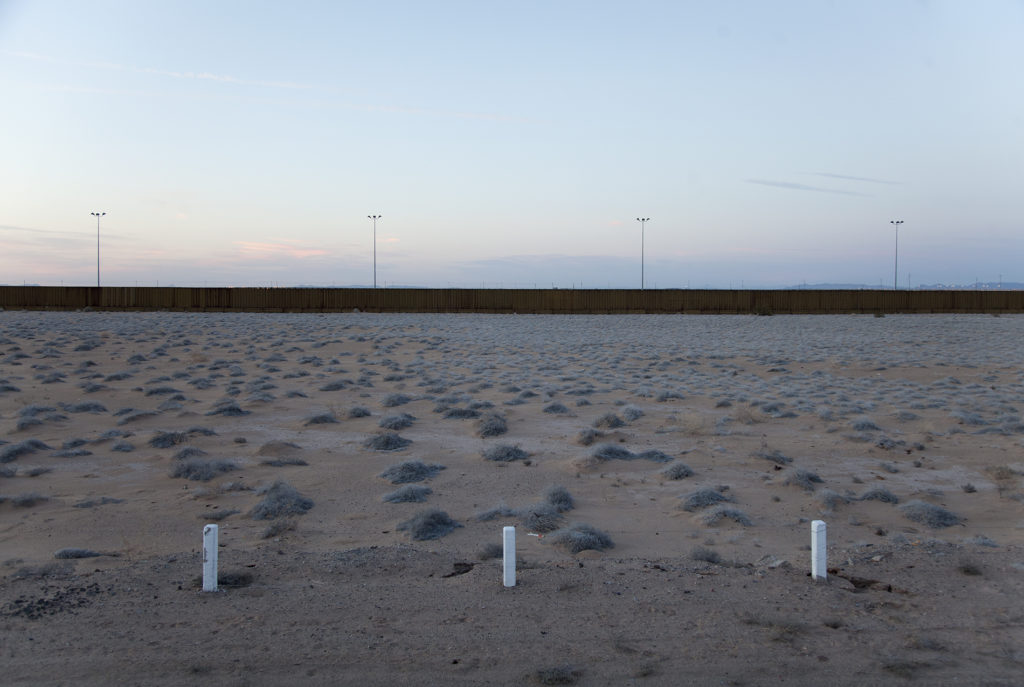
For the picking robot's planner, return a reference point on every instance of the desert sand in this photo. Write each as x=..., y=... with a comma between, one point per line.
x=662, y=473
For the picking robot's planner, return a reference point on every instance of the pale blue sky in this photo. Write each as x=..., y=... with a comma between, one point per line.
x=244, y=143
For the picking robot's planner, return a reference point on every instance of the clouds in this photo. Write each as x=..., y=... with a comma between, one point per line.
x=851, y=178
x=261, y=250
x=804, y=187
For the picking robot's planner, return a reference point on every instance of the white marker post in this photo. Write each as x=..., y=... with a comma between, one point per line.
x=819, y=557
x=210, y=558
x=509, y=536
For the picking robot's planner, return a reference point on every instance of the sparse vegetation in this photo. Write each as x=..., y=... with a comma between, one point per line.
x=411, y=471
x=677, y=471
x=702, y=498
x=930, y=515
x=505, y=453
x=387, y=441
x=719, y=513
x=202, y=470
x=492, y=425
x=430, y=524
x=581, y=537
x=410, y=493
x=280, y=499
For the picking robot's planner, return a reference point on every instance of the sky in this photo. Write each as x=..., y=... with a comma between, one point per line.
x=511, y=144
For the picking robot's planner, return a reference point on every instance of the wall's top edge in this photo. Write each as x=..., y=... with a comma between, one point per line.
x=562, y=301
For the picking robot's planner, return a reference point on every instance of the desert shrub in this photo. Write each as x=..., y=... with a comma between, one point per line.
x=609, y=421
x=8, y=472
x=410, y=471
x=540, y=518
x=879, y=494
x=201, y=470
x=281, y=499
x=588, y=436
x=321, y=419
x=654, y=455
x=22, y=448
x=283, y=462
x=677, y=471
x=460, y=414
x=499, y=511
x=930, y=515
x=491, y=425
x=387, y=441
x=123, y=447
x=277, y=527
x=228, y=408
x=982, y=540
x=865, y=425
x=505, y=453
x=612, y=452
x=28, y=500
x=358, y=411
x=632, y=413
x=27, y=423
x=162, y=391
x=559, y=498
x=85, y=407
x=392, y=400
x=72, y=453
x=965, y=417
x=702, y=498
x=168, y=439
x=218, y=515
x=557, y=409
x=706, y=555
x=72, y=553
x=410, y=493
x=830, y=499
x=189, y=452
x=133, y=415
x=430, y=524
x=34, y=409
x=774, y=456
x=805, y=479
x=581, y=537
x=719, y=513
x=400, y=421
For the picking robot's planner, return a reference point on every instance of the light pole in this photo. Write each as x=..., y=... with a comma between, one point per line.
x=374, y=218
x=642, y=221
x=895, y=268
x=97, y=215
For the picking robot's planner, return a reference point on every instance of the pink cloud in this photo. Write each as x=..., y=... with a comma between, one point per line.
x=265, y=250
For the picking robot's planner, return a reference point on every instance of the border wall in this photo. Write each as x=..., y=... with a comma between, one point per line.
x=557, y=301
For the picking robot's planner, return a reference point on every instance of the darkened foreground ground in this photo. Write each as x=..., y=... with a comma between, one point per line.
x=929, y=614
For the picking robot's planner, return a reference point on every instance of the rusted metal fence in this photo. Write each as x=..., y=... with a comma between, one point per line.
x=565, y=301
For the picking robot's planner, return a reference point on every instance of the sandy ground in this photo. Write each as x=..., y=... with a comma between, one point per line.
x=903, y=433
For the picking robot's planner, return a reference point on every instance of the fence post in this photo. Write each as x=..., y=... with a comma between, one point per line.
x=210, y=558
x=819, y=558
x=509, y=561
